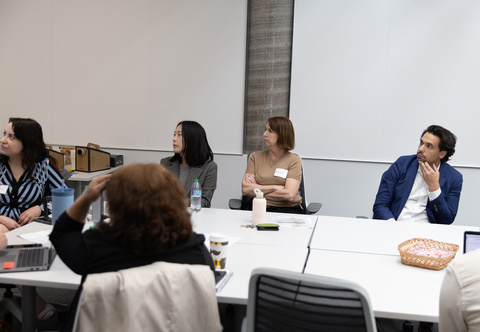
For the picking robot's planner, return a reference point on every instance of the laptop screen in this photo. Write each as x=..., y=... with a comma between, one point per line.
x=471, y=241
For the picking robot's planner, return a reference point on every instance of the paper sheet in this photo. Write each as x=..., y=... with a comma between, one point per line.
x=291, y=222
x=37, y=237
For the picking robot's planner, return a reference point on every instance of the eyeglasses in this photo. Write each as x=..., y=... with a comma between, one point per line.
x=10, y=136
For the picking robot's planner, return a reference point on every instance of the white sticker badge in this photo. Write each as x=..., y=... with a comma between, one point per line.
x=3, y=189
x=281, y=173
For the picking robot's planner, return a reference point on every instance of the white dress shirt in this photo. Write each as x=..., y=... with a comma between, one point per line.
x=415, y=208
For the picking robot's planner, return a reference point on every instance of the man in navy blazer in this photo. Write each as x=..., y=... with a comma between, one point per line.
x=422, y=187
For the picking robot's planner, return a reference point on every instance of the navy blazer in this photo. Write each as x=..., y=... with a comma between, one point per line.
x=397, y=182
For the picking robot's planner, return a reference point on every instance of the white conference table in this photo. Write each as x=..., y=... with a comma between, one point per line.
x=229, y=222
x=243, y=258
x=58, y=276
x=366, y=251
x=379, y=236
x=346, y=248
x=396, y=291
x=285, y=249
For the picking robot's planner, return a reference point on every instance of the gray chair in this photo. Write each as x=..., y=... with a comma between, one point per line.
x=280, y=300
x=246, y=202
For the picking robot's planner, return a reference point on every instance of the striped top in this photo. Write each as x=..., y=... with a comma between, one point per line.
x=16, y=197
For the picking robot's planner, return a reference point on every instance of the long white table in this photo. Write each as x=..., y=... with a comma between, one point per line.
x=379, y=236
x=366, y=251
x=230, y=222
x=58, y=276
x=361, y=250
x=396, y=291
x=285, y=249
x=243, y=258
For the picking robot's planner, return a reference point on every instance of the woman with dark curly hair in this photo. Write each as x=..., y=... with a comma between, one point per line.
x=149, y=222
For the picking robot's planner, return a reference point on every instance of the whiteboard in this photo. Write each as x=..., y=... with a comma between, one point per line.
x=123, y=73
x=369, y=76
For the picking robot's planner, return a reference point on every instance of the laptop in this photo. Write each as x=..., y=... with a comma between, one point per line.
x=471, y=241
x=23, y=258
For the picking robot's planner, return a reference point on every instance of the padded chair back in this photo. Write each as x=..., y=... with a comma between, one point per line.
x=289, y=301
x=157, y=297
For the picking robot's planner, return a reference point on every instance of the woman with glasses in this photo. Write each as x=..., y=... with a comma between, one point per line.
x=26, y=174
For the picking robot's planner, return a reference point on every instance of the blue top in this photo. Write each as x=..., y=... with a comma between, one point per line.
x=29, y=190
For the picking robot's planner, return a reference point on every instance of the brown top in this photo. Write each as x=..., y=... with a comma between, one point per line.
x=261, y=165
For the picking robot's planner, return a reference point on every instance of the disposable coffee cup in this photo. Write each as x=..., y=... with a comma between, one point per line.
x=219, y=249
x=62, y=199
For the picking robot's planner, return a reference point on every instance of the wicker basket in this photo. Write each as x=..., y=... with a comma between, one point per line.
x=433, y=263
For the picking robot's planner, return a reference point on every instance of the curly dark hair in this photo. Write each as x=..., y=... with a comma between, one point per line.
x=447, y=140
x=148, y=209
x=29, y=132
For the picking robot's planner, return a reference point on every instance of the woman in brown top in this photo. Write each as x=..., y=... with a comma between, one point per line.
x=276, y=171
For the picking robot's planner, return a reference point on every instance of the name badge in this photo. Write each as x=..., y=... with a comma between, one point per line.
x=3, y=189
x=281, y=173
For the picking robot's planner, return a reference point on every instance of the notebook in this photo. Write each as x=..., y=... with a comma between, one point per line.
x=22, y=258
x=471, y=241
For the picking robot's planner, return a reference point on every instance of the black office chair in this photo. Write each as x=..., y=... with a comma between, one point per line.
x=280, y=300
x=246, y=202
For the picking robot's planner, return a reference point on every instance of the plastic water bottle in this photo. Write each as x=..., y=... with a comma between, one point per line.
x=196, y=196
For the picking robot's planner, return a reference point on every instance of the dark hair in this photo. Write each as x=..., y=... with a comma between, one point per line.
x=447, y=140
x=147, y=207
x=196, y=149
x=29, y=132
x=283, y=127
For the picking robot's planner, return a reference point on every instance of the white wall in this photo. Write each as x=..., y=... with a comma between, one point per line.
x=368, y=76
x=348, y=188
x=123, y=73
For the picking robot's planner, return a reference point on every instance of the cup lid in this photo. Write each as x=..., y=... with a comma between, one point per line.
x=62, y=191
x=219, y=237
